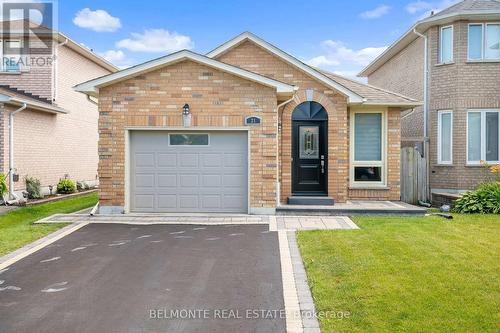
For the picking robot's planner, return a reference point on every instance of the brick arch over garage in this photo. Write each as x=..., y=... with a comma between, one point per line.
x=338, y=142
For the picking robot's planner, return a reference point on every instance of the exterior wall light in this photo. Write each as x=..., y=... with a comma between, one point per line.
x=186, y=115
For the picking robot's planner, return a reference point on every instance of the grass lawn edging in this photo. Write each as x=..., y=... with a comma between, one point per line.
x=17, y=227
x=420, y=274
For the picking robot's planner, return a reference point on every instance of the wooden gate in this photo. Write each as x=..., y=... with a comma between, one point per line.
x=413, y=176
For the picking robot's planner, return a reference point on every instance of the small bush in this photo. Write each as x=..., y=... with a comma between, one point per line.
x=484, y=200
x=66, y=186
x=3, y=185
x=33, y=187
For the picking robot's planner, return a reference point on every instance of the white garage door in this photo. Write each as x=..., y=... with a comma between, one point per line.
x=188, y=171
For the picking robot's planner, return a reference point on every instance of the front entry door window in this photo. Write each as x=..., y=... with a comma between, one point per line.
x=309, y=142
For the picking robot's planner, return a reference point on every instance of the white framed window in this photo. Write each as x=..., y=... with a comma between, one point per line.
x=483, y=41
x=483, y=136
x=445, y=137
x=10, y=53
x=446, y=44
x=368, y=148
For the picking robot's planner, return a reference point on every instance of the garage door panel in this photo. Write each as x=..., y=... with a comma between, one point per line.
x=167, y=180
x=211, y=160
x=168, y=201
x=211, y=181
x=144, y=201
x=188, y=160
x=167, y=160
x=233, y=201
x=211, y=201
x=233, y=181
x=189, y=180
x=144, y=160
x=234, y=160
x=145, y=180
x=211, y=178
x=188, y=201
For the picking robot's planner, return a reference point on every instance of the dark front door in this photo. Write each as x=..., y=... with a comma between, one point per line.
x=309, y=164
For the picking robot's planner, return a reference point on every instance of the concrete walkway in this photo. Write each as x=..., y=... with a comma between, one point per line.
x=276, y=222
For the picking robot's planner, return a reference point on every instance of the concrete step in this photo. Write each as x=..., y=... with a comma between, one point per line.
x=310, y=201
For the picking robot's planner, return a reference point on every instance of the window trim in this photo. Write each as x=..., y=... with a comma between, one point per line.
x=2, y=69
x=188, y=133
x=439, y=134
x=441, y=44
x=482, y=138
x=382, y=163
x=483, y=42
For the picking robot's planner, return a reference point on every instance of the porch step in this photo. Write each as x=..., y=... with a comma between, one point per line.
x=310, y=201
x=350, y=208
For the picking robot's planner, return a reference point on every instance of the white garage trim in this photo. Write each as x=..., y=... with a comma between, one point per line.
x=127, y=166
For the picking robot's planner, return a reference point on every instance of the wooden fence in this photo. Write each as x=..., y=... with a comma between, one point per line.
x=413, y=176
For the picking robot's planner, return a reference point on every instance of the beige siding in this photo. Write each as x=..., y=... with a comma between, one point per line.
x=51, y=146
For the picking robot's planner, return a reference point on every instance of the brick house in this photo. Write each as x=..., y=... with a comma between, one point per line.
x=55, y=134
x=462, y=105
x=241, y=129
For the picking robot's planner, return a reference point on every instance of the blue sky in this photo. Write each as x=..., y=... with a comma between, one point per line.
x=341, y=36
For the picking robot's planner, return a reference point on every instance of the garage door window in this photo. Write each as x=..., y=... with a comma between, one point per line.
x=188, y=139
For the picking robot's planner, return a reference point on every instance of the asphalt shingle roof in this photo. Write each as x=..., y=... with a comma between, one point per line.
x=372, y=94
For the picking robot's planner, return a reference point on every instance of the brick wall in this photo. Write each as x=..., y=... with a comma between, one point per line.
x=458, y=86
x=37, y=79
x=252, y=57
x=216, y=99
x=49, y=146
x=404, y=74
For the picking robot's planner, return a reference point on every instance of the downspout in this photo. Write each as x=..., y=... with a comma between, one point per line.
x=54, y=71
x=278, y=133
x=11, y=150
x=426, y=110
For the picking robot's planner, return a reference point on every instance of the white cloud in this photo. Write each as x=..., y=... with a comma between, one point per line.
x=339, y=58
x=424, y=8
x=377, y=12
x=336, y=53
x=113, y=56
x=117, y=58
x=98, y=20
x=156, y=40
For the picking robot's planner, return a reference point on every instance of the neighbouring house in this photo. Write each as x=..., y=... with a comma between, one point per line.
x=461, y=94
x=55, y=135
x=245, y=128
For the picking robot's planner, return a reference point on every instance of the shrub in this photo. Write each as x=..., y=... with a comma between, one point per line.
x=3, y=185
x=66, y=186
x=33, y=187
x=484, y=200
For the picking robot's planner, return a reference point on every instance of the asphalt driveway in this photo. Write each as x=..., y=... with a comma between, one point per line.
x=149, y=278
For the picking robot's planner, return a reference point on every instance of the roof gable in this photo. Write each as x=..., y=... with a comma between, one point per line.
x=464, y=10
x=92, y=87
x=353, y=96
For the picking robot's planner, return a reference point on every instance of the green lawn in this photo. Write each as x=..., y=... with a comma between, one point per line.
x=421, y=274
x=17, y=228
